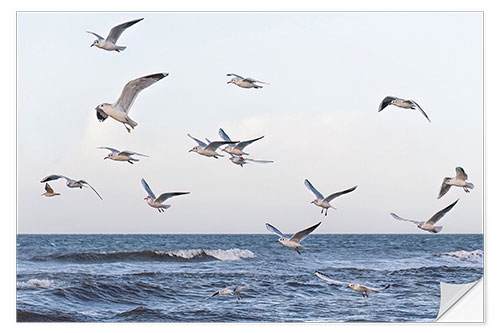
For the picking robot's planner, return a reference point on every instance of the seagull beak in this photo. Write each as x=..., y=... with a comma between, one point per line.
x=277, y=240
x=228, y=82
x=105, y=157
x=91, y=45
x=190, y=150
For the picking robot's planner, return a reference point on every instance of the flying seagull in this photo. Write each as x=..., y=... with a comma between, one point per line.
x=124, y=155
x=49, y=192
x=71, y=183
x=364, y=290
x=429, y=225
x=109, y=44
x=402, y=103
x=233, y=290
x=119, y=110
x=208, y=150
x=158, y=202
x=323, y=202
x=459, y=181
x=294, y=241
x=239, y=160
x=235, y=149
x=242, y=82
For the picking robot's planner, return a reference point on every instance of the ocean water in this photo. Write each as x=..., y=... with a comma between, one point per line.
x=167, y=278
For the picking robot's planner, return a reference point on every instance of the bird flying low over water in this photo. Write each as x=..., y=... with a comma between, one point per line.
x=240, y=160
x=109, y=44
x=459, y=181
x=155, y=202
x=232, y=290
x=120, y=109
x=429, y=224
x=242, y=82
x=124, y=155
x=49, y=192
x=71, y=183
x=402, y=103
x=323, y=202
x=294, y=241
x=208, y=150
x=235, y=149
x=364, y=290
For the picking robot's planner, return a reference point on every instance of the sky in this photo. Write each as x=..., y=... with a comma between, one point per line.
x=328, y=74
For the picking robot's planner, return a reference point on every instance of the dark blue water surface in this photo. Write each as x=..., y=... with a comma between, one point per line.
x=164, y=278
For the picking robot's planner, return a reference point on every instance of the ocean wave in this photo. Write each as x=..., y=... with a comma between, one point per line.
x=475, y=256
x=34, y=283
x=151, y=255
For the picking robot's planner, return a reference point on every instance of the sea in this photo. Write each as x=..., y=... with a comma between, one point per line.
x=169, y=278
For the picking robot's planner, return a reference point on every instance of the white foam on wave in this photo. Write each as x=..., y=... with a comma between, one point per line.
x=35, y=283
x=476, y=255
x=231, y=254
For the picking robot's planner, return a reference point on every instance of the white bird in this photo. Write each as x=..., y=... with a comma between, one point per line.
x=459, y=181
x=294, y=241
x=429, y=224
x=364, y=290
x=49, y=192
x=242, y=82
x=323, y=202
x=71, y=183
x=232, y=290
x=210, y=149
x=239, y=160
x=158, y=202
x=402, y=103
x=109, y=44
x=235, y=149
x=119, y=109
x=124, y=155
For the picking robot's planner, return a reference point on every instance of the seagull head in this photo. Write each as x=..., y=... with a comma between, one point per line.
x=280, y=240
x=315, y=201
x=147, y=198
x=233, y=80
x=109, y=156
x=95, y=43
x=195, y=149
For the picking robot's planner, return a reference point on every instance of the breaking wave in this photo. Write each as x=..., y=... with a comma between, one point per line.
x=34, y=283
x=151, y=255
x=476, y=255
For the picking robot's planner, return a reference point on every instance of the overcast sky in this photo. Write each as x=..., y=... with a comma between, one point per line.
x=328, y=74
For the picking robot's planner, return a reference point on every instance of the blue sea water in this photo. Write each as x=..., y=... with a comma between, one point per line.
x=167, y=278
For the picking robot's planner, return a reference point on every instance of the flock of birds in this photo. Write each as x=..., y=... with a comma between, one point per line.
x=120, y=109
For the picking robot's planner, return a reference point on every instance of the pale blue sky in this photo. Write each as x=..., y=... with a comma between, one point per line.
x=328, y=73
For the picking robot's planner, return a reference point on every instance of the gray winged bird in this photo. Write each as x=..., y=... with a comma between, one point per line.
x=119, y=110
x=240, y=160
x=71, y=183
x=235, y=149
x=124, y=155
x=402, y=103
x=208, y=150
x=49, y=192
x=294, y=241
x=109, y=44
x=364, y=290
x=429, y=224
x=460, y=180
x=323, y=202
x=242, y=82
x=155, y=202
x=232, y=290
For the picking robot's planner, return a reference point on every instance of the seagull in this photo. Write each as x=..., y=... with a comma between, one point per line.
x=239, y=160
x=49, y=192
x=364, y=290
x=158, y=202
x=242, y=82
x=323, y=202
x=402, y=103
x=233, y=290
x=71, y=183
x=429, y=225
x=124, y=155
x=459, y=180
x=210, y=149
x=109, y=44
x=238, y=148
x=119, y=110
x=294, y=241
